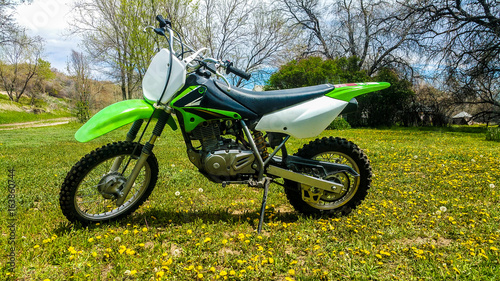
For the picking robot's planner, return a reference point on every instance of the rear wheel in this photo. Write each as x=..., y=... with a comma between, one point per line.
x=89, y=192
x=310, y=200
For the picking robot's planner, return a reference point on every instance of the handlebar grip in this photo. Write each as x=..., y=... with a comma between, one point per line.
x=238, y=72
x=162, y=21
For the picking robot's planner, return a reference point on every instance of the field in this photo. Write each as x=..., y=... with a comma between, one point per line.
x=431, y=214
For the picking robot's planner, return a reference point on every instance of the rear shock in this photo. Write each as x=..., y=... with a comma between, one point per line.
x=261, y=144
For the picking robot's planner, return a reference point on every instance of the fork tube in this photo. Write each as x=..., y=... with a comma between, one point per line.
x=132, y=133
x=146, y=151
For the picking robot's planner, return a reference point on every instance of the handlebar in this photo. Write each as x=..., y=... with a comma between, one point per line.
x=231, y=69
x=166, y=24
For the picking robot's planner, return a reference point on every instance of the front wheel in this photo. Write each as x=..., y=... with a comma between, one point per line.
x=89, y=192
x=309, y=200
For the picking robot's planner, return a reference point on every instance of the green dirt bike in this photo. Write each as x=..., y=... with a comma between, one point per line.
x=223, y=130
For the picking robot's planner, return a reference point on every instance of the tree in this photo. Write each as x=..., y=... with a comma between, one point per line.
x=368, y=30
x=315, y=70
x=38, y=83
x=114, y=38
x=463, y=40
x=79, y=68
x=387, y=107
x=19, y=60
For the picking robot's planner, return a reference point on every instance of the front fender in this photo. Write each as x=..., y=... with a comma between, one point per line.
x=115, y=116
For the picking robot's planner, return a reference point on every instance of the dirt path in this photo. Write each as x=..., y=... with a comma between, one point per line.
x=34, y=124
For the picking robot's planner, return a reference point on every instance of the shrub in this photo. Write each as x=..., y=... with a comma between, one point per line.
x=339, y=124
x=493, y=134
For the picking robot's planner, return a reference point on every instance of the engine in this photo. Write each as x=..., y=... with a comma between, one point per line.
x=220, y=158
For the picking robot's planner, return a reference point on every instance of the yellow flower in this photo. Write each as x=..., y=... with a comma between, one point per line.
x=91, y=240
x=36, y=246
x=208, y=239
x=145, y=229
x=493, y=248
x=200, y=275
x=132, y=272
x=291, y=271
x=223, y=273
x=160, y=274
x=122, y=249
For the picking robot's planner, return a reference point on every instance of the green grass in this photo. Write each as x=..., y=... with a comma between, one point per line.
x=432, y=214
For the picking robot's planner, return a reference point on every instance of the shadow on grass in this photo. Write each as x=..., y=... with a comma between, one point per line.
x=169, y=218
x=209, y=216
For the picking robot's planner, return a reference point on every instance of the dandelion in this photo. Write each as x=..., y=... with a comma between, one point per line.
x=122, y=249
x=200, y=189
x=223, y=273
x=177, y=193
x=200, y=275
x=473, y=160
x=145, y=229
x=438, y=212
x=208, y=239
x=36, y=246
x=493, y=248
x=492, y=185
x=91, y=240
x=118, y=239
x=415, y=156
x=127, y=272
x=443, y=209
x=291, y=271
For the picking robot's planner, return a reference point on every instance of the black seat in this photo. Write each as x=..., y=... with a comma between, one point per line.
x=266, y=102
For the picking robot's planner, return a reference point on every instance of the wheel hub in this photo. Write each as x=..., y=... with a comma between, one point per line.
x=111, y=184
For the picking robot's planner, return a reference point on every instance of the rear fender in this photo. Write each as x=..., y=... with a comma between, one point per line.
x=115, y=116
x=347, y=92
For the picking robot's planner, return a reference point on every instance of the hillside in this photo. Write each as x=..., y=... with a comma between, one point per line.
x=56, y=101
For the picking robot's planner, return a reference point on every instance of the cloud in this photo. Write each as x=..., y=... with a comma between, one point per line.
x=49, y=19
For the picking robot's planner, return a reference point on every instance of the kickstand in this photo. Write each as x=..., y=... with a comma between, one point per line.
x=264, y=201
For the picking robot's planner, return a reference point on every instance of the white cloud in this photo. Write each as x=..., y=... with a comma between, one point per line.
x=49, y=19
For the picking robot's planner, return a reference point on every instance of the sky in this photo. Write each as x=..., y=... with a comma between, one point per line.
x=49, y=19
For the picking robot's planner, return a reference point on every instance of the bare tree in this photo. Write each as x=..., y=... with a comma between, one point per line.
x=252, y=34
x=79, y=68
x=369, y=30
x=463, y=39
x=19, y=60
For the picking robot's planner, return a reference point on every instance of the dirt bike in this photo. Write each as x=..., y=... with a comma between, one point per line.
x=222, y=127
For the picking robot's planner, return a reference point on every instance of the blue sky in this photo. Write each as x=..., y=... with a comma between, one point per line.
x=49, y=19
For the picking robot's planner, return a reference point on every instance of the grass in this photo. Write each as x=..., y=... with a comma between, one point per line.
x=432, y=214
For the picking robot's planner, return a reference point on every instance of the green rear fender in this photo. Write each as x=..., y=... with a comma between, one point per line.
x=115, y=116
x=346, y=92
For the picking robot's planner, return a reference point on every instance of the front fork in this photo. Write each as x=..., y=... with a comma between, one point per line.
x=146, y=151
